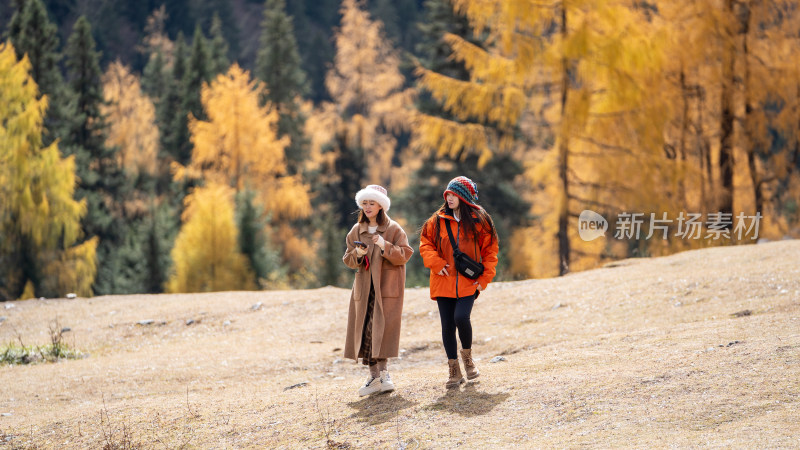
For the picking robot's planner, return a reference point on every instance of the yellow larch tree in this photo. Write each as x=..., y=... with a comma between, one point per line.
x=206, y=255
x=556, y=79
x=39, y=218
x=131, y=120
x=736, y=106
x=238, y=145
x=370, y=103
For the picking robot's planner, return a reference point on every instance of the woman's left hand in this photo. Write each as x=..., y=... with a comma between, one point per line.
x=378, y=240
x=480, y=288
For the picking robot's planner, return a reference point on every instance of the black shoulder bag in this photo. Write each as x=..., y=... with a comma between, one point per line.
x=464, y=264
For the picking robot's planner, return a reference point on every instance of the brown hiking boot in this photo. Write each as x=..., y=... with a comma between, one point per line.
x=455, y=374
x=469, y=364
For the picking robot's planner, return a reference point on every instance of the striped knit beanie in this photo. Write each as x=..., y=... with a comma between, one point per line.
x=465, y=189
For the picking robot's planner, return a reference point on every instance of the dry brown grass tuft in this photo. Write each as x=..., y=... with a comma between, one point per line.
x=645, y=353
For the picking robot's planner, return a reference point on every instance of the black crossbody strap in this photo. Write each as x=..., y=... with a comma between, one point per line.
x=450, y=233
x=453, y=241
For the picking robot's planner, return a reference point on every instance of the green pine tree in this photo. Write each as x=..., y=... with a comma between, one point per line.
x=197, y=72
x=253, y=242
x=154, y=78
x=278, y=64
x=173, y=127
x=386, y=12
x=331, y=272
x=204, y=12
x=162, y=229
x=83, y=69
x=101, y=179
x=218, y=48
x=32, y=34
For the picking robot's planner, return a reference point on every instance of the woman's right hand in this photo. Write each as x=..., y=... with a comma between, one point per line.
x=444, y=271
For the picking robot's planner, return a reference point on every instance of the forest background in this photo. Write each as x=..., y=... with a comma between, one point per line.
x=152, y=146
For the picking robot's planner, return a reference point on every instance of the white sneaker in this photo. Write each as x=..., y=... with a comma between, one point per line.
x=372, y=386
x=386, y=382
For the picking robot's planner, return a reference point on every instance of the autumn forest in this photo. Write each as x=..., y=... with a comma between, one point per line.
x=156, y=151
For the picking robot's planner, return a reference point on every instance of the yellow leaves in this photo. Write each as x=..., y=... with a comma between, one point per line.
x=36, y=189
x=73, y=270
x=290, y=197
x=37, y=184
x=500, y=103
x=238, y=145
x=449, y=138
x=206, y=255
x=366, y=68
x=370, y=105
x=131, y=120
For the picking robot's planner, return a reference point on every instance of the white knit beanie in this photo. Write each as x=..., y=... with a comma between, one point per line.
x=374, y=192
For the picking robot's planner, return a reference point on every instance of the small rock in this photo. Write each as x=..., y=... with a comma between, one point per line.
x=190, y=321
x=66, y=329
x=497, y=359
x=6, y=414
x=257, y=306
x=145, y=322
x=41, y=299
x=304, y=383
x=339, y=378
x=742, y=313
x=226, y=323
x=337, y=349
x=9, y=305
x=71, y=295
x=3, y=319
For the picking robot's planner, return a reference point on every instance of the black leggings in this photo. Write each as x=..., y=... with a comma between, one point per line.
x=454, y=313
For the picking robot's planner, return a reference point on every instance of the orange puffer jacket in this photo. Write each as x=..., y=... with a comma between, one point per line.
x=436, y=253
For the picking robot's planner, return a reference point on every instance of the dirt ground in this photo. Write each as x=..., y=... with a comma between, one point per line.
x=697, y=349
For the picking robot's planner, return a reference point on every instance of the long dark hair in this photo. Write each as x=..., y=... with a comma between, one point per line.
x=380, y=218
x=465, y=212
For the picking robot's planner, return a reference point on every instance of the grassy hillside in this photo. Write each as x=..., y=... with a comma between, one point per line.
x=700, y=348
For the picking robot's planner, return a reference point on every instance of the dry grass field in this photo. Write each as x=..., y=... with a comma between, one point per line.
x=698, y=349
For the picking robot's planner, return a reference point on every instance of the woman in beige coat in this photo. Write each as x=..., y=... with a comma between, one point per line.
x=377, y=248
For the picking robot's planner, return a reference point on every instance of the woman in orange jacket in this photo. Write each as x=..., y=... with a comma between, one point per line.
x=455, y=294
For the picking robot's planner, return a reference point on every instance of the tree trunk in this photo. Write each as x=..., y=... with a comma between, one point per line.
x=703, y=152
x=563, y=148
x=684, y=130
x=749, y=145
x=727, y=118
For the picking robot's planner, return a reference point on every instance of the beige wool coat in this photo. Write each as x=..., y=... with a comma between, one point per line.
x=388, y=273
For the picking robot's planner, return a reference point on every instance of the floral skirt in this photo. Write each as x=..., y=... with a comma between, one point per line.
x=365, y=352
